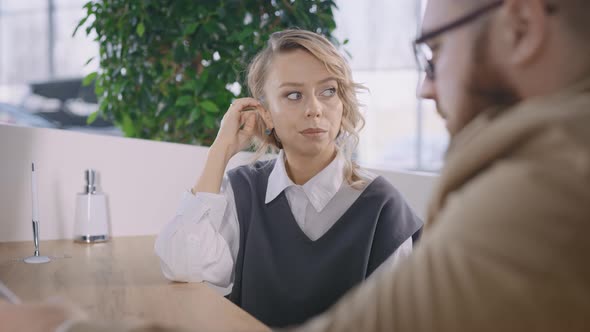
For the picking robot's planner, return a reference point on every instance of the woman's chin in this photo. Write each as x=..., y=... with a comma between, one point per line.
x=314, y=149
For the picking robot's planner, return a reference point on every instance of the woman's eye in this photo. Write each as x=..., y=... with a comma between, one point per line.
x=329, y=92
x=294, y=96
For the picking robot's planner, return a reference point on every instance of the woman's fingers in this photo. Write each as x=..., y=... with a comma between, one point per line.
x=249, y=122
x=239, y=107
x=238, y=124
x=243, y=104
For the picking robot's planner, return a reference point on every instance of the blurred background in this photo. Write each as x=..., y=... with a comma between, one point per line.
x=42, y=67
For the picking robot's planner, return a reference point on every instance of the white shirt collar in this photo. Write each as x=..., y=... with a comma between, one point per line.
x=319, y=190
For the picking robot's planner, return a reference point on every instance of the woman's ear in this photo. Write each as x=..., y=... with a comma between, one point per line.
x=265, y=116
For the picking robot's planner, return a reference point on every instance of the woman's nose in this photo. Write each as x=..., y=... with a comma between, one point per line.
x=314, y=108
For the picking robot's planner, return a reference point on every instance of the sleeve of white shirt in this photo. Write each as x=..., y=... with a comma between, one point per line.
x=399, y=255
x=201, y=243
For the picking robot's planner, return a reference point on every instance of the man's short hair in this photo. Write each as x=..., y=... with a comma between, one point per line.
x=575, y=15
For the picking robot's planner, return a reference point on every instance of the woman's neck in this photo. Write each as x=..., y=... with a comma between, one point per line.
x=302, y=168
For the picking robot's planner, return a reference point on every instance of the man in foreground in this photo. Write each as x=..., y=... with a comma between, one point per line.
x=505, y=247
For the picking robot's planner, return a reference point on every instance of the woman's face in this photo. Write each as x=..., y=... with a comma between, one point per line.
x=303, y=103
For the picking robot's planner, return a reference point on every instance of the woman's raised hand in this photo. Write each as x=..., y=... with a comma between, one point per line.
x=238, y=126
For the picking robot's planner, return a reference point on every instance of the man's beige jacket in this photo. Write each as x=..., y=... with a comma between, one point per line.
x=507, y=241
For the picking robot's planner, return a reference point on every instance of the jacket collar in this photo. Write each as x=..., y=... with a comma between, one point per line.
x=496, y=133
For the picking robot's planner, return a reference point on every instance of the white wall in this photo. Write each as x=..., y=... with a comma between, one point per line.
x=415, y=187
x=142, y=179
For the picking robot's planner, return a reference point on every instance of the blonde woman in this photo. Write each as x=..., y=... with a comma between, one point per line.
x=286, y=238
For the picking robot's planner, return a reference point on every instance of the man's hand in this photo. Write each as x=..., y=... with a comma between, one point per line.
x=35, y=317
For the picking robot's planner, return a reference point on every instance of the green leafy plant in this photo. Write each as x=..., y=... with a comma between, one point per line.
x=170, y=68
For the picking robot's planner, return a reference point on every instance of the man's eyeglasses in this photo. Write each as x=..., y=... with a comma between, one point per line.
x=424, y=53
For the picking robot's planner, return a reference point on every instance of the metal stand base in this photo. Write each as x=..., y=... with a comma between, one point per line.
x=37, y=259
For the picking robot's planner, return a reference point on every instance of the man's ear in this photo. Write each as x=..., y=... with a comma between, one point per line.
x=524, y=30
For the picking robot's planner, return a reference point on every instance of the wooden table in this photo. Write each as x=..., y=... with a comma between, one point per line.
x=119, y=280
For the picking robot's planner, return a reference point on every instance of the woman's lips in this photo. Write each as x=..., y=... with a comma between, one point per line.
x=313, y=132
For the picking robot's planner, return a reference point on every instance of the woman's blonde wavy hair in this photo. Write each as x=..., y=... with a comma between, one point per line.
x=318, y=46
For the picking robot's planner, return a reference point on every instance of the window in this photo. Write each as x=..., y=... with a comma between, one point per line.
x=36, y=41
x=401, y=131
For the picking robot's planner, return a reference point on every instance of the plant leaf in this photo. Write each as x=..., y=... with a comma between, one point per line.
x=140, y=29
x=196, y=113
x=89, y=79
x=128, y=127
x=91, y=118
x=209, y=122
x=191, y=28
x=184, y=100
x=209, y=106
x=81, y=23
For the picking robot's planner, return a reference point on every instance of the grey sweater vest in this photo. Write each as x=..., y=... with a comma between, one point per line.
x=282, y=277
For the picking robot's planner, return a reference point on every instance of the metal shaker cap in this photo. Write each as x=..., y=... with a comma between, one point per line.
x=90, y=181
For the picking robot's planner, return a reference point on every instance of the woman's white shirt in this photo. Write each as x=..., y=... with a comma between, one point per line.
x=201, y=243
